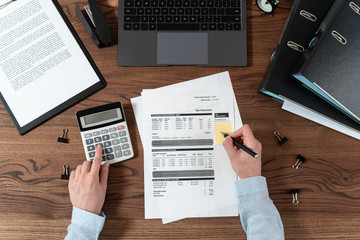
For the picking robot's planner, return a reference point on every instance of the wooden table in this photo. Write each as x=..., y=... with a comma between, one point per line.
x=34, y=201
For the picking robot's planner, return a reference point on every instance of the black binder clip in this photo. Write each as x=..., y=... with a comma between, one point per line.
x=100, y=32
x=63, y=138
x=280, y=138
x=66, y=174
x=294, y=193
x=299, y=160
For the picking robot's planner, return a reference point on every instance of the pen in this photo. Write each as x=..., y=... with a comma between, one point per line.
x=241, y=146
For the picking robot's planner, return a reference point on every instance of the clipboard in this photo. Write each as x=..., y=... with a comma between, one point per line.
x=64, y=104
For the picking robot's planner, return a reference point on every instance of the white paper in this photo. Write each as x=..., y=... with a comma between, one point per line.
x=321, y=119
x=213, y=81
x=41, y=64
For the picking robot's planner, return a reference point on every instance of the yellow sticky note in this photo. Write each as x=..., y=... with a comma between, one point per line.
x=222, y=127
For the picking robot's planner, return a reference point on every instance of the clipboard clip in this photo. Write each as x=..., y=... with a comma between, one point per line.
x=98, y=29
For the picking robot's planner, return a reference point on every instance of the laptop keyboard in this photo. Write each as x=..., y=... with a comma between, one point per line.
x=197, y=15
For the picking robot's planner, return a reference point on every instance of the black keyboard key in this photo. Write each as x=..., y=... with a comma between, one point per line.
x=204, y=11
x=176, y=19
x=178, y=3
x=154, y=3
x=130, y=11
x=201, y=19
x=140, y=11
x=204, y=26
x=213, y=11
x=188, y=11
x=146, y=3
x=127, y=26
x=229, y=26
x=237, y=26
x=202, y=3
x=197, y=11
x=136, y=26
x=228, y=19
x=217, y=19
x=184, y=19
x=160, y=19
x=152, y=19
x=209, y=19
x=168, y=19
x=152, y=26
x=171, y=3
x=226, y=3
x=144, y=19
x=138, y=3
x=172, y=11
x=212, y=26
x=186, y=3
x=148, y=11
x=188, y=26
x=164, y=11
x=131, y=19
x=129, y=3
x=221, y=27
x=232, y=11
x=156, y=11
x=235, y=3
x=180, y=11
x=211, y=3
x=194, y=3
x=218, y=3
x=192, y=19
x=220, y=11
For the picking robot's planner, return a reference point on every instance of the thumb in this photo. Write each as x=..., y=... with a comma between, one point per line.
x=229, y=147
x=104, y=173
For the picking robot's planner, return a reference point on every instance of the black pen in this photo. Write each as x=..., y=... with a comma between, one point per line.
x=241, y=146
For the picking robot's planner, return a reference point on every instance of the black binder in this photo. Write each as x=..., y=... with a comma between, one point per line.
x=101, y=83
x=297, y=34
x=332, y=69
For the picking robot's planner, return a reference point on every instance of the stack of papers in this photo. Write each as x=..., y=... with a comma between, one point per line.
x=187, y=171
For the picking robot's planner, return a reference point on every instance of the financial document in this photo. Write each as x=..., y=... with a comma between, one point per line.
x=187, y=171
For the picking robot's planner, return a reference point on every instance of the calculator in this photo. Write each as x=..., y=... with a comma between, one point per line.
x=106, y=126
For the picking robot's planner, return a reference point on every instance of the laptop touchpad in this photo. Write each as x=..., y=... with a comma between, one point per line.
x=182, y=48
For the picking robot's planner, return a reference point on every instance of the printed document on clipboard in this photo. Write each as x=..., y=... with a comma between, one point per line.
x=187, y=171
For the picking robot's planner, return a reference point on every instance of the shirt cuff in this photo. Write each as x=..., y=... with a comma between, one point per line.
x=87, y=219
x=251, y=185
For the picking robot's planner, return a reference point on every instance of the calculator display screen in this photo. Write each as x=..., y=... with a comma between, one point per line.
x=101, y=118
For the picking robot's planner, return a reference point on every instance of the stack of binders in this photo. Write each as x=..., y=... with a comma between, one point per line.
x=316, y=62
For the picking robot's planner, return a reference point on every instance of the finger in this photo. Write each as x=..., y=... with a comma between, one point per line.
x=244, y=131
x=72, y=176
x=104, y=173
x=97, y=161
x=229, y=147
x=86, y=167
x=78, y=171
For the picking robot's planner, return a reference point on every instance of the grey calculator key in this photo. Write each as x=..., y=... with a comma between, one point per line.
x=125, y=146
x=89, y=141
x=109, y=150
x=104, y=131
x=106, y=137
x=122, y=133
x=97, y=133
x=91, y=160
x=99, y=144
x=91, y=154
x=91, y=148
x=115, y=141
x=112, y=129
x=124, y=140
x=117, y=151
x=127, y=153
x=97, y=139
x=107, y=144
x=103, y=158
x=110, y=157
x=87, y=135
x=114, y=135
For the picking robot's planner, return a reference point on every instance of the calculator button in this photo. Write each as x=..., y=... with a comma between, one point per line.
x=122, y=133
x=127, y=153
x=97, y=133
x=89, y=141
x=125, y=146
x=115, y=141
x=97, y=139
x=106, y=137
x=107, y=144
x=108, y=150
x=121, y=127
x=91, y=154
x=123, y=140
x=104, y=131
x=91, y=148
x=97, y=144
x=103, y=158
x=87, y=135
x=110, y=157
x=112, y=129
x=114, y=135
x=118, y=153
x=91, y=160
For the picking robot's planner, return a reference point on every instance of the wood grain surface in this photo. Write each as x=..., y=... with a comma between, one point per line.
x=34, y=201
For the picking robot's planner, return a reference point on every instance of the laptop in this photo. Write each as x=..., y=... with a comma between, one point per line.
x=182, y=32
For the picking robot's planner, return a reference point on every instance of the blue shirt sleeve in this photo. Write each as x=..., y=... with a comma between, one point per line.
x=85, y=225
x=258, y=214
